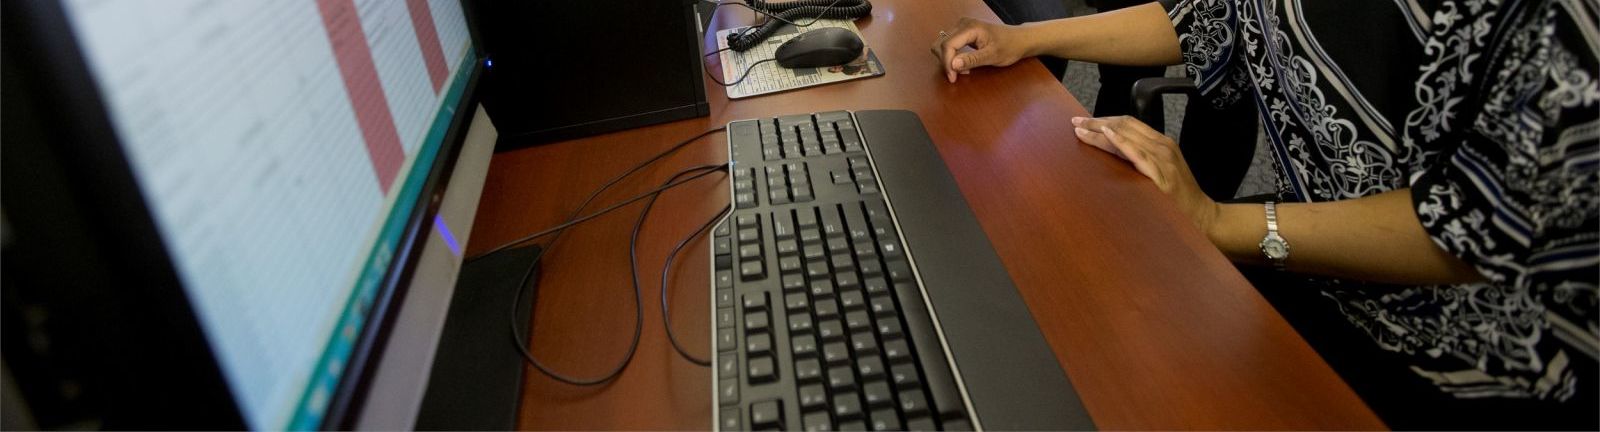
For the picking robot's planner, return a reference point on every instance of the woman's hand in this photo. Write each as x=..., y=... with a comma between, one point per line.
x=993, y=45
x=1154, y=155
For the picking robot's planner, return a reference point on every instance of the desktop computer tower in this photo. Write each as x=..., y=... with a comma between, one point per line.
x=566, y=69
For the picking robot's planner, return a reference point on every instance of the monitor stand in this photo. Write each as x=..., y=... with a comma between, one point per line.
x=476, y=382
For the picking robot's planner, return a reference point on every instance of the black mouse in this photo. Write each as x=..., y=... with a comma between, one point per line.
x=829, y=46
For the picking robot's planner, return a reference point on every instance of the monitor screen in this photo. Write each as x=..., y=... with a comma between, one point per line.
x=281, y=147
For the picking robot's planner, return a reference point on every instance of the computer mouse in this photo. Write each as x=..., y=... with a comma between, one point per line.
x=831, y=46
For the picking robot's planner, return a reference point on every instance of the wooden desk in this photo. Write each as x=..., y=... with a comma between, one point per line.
x=1154, y=327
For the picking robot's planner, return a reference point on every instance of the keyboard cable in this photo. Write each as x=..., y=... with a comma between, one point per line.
x=633, y=268
x=638, y=298
x=585, y=204
x=666, y=269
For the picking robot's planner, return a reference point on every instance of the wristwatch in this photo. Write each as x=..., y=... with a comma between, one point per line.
x=1274, y=246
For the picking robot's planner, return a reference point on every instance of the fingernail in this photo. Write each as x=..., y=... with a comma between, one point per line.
x=958, y=63
x=1107, y=130
x=1077, y=121
x=1081, y=131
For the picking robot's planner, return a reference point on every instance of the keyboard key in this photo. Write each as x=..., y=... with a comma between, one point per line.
x=745, y=221
x=913, y=403
x=850, y=298
x=822, y=288
x=957, y=425
x=782, y=225
x=724, y=298
x=835, y=354
x=744, y=200
x=800, y=323
x=846, y=406
x=920, y=424
x=755, y=323
x=760, y=344
x=898, y=351
x=856, y=223
x=796, y=302
x=832, y=226
x=766, y=415
x=752, y=270
x=807, y=370
x=878, y=395
x=841, y=177
x=853, y=425
x=875, y=285
x=788, y=247
x=899, y=271
x=841, y=379
x=802, y=193
x=904, y=376
x=780, y=195
x=825, y=308
x=805, y=218
x=810, y=236
x=724, y=279
x=814, y=422
x=881, y=306
x=725, y=340
x=817, y=270
x=721, y=230
x=723, y=262
x=794, y=283
x=839, y=246
x=863, y=344
x=813, y=397
x=754, y=302
x=885, y=420
x=870, y=367
x=789, y=265
x=854, y=320
x=845, y=266
x=725, y=318
x=891, y=249
x=762, y=370
x=872, y=268
x=803, y=346
x=749, y=252
x=814, y=254
x=749, y=236
x=728, y=392
x=830, y=330
x=723, y=246
x=730, y=419
x=890, y=329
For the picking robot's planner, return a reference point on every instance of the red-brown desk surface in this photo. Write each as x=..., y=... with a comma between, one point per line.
x=1154, y=327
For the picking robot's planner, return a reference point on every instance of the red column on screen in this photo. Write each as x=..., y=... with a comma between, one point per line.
x=428, y=39
x=360, y=75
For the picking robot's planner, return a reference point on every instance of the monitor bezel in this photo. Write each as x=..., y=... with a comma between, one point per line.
x=130, y=250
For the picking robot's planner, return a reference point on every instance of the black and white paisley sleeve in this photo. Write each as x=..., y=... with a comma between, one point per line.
x=1208, y=34
x=1508, y=132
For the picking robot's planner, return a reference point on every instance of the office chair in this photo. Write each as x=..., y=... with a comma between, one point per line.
x=1219, y=144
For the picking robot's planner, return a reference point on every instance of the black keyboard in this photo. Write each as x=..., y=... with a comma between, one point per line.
x=820, y=322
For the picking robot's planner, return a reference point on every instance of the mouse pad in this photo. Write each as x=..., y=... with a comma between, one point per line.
x=767, y=77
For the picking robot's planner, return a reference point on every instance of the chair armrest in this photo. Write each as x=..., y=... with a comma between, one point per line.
x=1147, y=94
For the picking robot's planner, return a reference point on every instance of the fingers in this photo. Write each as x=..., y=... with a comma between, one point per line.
x=1139, y=156
x=1129, y=126
x=966, y=35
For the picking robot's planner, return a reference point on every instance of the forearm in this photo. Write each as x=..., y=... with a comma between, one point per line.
x=1376, y=238
x=1135, y=36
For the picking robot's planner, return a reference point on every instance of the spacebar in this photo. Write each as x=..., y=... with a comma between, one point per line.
x=940, y=382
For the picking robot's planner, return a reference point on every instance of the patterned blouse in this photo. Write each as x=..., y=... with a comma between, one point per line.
x=1488, y=110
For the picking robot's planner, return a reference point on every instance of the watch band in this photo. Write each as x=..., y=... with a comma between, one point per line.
x=1272, y=217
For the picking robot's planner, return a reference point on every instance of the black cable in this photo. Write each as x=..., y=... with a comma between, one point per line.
x=741, y=77
x=666, y=268
x=787, y=12
x=570, y=222
x=597, y=192
x=638, y=298
x=633, y=266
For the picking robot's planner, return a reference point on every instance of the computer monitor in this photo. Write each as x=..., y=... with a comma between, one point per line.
x=277, y=160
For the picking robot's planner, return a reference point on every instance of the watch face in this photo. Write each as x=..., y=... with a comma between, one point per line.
x=1275, y=249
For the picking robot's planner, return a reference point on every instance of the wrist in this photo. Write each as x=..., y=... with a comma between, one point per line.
x=1237, y=231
